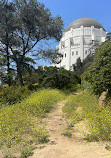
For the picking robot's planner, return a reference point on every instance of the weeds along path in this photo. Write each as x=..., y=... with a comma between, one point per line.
x=60, y=146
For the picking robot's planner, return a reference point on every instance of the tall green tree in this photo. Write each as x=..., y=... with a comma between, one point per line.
x=35, y=23
x=81, y=67
x=99, y=73
x=28, y=24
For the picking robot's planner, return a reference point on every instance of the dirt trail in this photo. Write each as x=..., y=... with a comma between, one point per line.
x=63, y=147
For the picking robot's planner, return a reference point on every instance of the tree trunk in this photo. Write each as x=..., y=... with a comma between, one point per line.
x=8, y=62
x=20, y=75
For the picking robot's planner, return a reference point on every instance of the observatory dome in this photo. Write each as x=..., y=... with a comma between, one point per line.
x=86, y=22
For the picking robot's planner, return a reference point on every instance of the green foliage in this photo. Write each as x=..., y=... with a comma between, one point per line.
x=55, y=78
x=91, y=138
x=26, y=153
x=99, y=73
x=9, y=156
x=100, y=123
x=20, y=121
x=81, y=67
x=108, y=147
x=14, y=122
x=12, y=95
x=41, y=134
x=41, y=102
x=7, y=28
x=84, y=107
x=66, y=78
x=108, y=36
x=22, y=27
x=67, y=133
x=78, y=66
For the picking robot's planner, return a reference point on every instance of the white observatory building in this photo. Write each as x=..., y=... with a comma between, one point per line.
x=77, y=40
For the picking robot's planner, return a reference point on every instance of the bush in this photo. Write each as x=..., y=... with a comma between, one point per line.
x=53, y=77
x=12, y=95
x=26, y=153
x=99, y=73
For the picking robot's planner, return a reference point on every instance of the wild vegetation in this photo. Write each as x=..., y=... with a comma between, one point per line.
x=12, y=95
x=84, y=107
x=20, y=124
x=99, y=73
x=53, y=77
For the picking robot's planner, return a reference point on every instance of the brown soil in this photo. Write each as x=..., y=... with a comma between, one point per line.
x=60, y=146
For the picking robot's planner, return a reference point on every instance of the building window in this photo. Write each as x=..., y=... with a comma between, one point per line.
x=76, y=52
x=72, y=53
x=85, y=51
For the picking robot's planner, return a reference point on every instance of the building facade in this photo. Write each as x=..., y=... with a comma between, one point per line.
x=78, y=39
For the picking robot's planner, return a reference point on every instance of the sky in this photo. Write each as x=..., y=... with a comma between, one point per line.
x=70, y=10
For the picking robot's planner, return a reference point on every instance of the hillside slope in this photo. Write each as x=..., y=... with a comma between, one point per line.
x=60, y=146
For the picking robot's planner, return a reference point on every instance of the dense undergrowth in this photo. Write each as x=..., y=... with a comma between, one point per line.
x=20, y=123
x=12, y=95
x=85, y=107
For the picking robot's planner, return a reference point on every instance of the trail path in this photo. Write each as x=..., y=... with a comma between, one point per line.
x=64, y=147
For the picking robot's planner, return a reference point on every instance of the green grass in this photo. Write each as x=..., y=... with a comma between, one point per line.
x=20, y=124
x=85, y=107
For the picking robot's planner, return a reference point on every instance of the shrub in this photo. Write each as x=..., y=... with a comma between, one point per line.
x=99, y=73
x=67, y=133
x=12, y=95
x=53, y=77
x=41, y=134
x=26, y=153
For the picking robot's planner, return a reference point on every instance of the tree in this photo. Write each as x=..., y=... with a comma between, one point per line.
x=81, y=67
x=78, y=66
x=35, y=23
x=99, y=73
x=108, y=36
x=22, y=64
x=54, y=77
x=23, y=24
x=7, y=28
x=87, y=62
